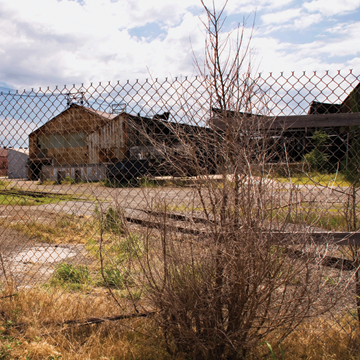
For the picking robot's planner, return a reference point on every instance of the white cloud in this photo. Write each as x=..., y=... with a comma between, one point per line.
x=340, y=51
x=247, y=6
x=345, y=43
x=332, y=7
x=306, y=21
x=281, y=16
x=51, y=41
x=47, y=42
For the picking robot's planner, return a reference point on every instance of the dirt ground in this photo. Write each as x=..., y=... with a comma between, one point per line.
x=29, y=261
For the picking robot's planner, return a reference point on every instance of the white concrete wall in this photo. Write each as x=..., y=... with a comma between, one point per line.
x=89, y=172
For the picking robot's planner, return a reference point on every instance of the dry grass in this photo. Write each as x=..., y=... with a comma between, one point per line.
x=31, y=328
x=65, y=229
x=41, y=336
x=42, y=310
x=316, y=178
x=335, y=339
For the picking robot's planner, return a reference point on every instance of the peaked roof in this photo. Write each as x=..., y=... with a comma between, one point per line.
x=101, y=114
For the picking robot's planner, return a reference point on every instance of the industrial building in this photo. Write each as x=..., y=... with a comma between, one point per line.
x=81, y=142
x=60, y=147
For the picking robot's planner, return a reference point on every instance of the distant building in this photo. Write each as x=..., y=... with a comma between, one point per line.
x=350, y=105
x=61, y=144
x=18, y=163
x=3, y=162
x=81, y=142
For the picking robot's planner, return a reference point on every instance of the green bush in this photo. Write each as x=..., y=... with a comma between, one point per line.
x=318, y=158
x=350, y=165
x=145, y=182
x=68, y=181
x=113, y=220
x=130, y=246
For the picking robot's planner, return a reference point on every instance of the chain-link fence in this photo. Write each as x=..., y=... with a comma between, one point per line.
x=109, y=192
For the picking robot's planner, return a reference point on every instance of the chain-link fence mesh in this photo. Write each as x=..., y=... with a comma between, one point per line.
x=92, y=176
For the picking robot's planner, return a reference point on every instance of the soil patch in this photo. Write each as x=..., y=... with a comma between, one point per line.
x=27, y=262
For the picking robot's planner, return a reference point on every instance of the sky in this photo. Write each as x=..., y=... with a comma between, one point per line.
x=56, y=42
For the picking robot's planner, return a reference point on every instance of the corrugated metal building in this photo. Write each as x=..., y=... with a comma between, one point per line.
x=62, y=141
x=108, y=143
x=79, y=141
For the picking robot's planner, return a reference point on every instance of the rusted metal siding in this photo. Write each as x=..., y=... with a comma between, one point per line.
x=108, y=143
x=63, y=139
x=68, y=156
x=63, y=148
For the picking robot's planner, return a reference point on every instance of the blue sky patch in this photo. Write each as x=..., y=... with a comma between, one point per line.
x=148, y=32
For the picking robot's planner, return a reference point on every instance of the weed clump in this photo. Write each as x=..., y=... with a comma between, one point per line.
x=72, y=276
x=115, y=278
x=68, y=181
x=113, y=220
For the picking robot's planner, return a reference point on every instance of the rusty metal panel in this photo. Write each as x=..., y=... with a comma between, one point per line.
x=59, y=141
x=61, y=130
x=107, y=144
x=67, y=156
x=93, y=145
x=73, y=120
x=78, y=136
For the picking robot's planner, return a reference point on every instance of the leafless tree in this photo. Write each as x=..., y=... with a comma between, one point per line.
x=228, y=270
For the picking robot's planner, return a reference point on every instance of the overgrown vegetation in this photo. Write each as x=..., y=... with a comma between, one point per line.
x=13, y=196
x=222, y=289
x=318, y=158
x=315, y=178
x=72, y=276
x=4, y=184
x=32, y=327
x=113, y=220
x=59, y=230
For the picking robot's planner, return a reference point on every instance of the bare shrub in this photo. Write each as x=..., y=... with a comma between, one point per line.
x=227, y=269
x=235, y=271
